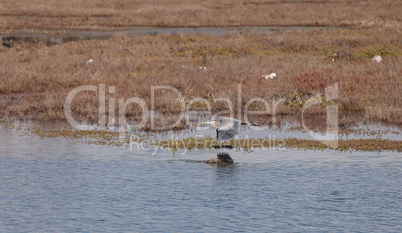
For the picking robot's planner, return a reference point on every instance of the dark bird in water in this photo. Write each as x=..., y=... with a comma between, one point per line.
x=226, y=129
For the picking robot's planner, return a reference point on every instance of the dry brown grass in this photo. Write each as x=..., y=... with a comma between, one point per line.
x=111, y=14
x=35, y=79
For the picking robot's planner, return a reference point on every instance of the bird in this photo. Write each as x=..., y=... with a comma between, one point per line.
x=377, y=58
x=272, y=76
x=226, y=129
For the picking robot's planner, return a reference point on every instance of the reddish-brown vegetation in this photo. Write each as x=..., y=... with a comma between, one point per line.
x=16, y=15
x=35, y=79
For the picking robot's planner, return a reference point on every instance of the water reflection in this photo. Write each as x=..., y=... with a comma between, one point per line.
x=226, y=173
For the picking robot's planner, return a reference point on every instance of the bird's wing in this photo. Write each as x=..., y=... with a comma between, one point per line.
x=226, y=135
x=228, y=128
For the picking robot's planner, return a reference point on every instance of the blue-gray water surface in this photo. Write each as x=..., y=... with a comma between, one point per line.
x=55, y=185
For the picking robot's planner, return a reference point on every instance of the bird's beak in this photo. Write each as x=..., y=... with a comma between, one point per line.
x=206, y=123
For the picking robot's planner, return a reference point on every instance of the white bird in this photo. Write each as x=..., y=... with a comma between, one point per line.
x=334, y=56
x=203, y=68
x=272, y=76
x=377, y=58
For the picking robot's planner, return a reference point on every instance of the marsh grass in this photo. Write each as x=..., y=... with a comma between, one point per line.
x=35, y=79
x=17, y=15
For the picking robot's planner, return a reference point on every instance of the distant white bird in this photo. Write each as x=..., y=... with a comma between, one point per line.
x=90, y=61
x=273, y=75
x=334, y=56
x=203, y=68
x=377, y=58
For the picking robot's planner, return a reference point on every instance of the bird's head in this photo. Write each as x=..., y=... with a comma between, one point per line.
x=214, y=124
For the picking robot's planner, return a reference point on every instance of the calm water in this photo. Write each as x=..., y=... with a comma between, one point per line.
x=34, y=36
x=53, y=185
